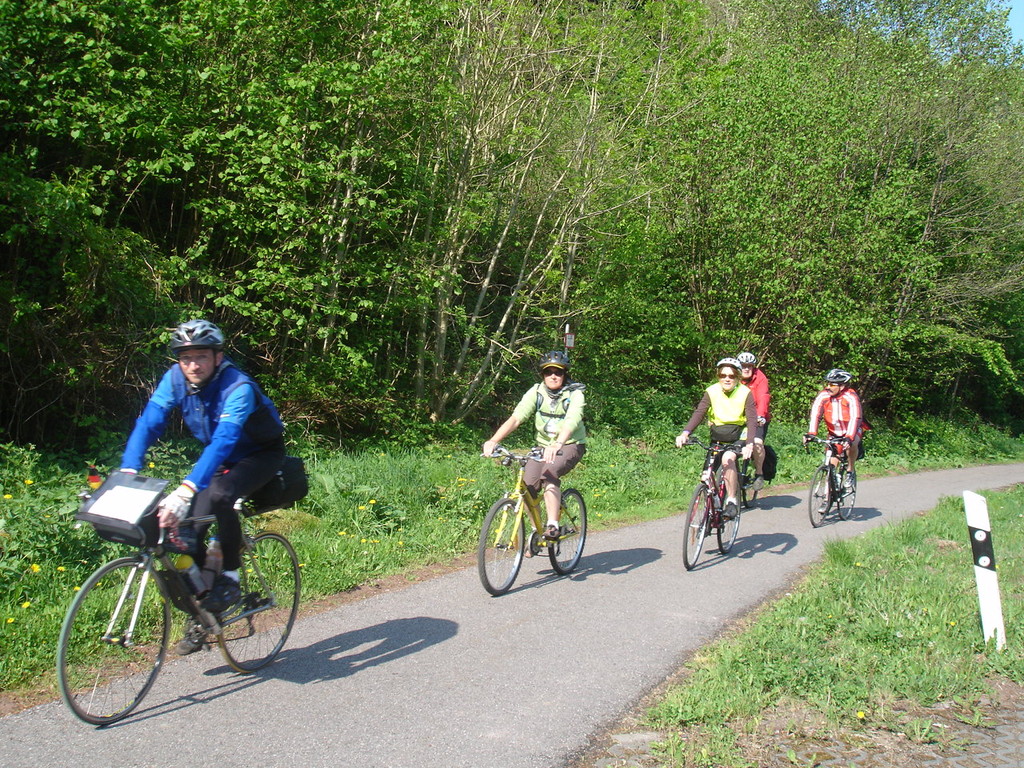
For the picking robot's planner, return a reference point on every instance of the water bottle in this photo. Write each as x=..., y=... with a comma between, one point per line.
x=214, y=563
x=191, y=574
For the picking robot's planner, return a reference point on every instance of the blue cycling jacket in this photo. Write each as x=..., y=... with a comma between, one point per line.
x=230, y=416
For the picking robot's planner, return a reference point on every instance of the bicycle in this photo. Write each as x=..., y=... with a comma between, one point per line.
x=116, y=633
x=828, y=488
x=706, y=507
x=503, y=539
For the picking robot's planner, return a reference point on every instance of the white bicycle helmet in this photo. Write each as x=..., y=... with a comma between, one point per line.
x=747, y=359
x=838, y=376
x=197, y=334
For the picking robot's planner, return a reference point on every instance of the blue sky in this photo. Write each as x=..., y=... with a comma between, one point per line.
x=1017, y=19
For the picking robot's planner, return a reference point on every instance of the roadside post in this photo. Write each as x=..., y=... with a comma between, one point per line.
x=980, y=531
x=570, y=338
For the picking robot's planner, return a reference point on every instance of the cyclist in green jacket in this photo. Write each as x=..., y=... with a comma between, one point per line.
x=556, y=407
x=729, y=406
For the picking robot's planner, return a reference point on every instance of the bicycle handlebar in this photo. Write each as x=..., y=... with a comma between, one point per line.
x=507, y=457
x=714, y=446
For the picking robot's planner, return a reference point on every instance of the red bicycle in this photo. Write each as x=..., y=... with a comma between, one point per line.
x=705, y=512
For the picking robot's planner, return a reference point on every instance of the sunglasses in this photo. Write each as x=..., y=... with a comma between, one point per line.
x=727, y=375
x=554, y=372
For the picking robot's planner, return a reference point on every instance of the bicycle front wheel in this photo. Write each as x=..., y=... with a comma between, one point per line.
x=696, y=527
x=256, y=628
x=113, y=641
x=847, y=497
x=820, y=498
x=727, y=531
x=565, y=553
x=499, y=553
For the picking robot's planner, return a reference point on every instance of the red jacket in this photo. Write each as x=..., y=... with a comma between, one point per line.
x=758, y=385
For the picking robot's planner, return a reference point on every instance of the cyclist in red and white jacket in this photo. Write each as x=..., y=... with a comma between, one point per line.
x=840, y=405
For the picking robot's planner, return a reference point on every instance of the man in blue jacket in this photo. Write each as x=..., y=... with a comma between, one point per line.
x=242, y=437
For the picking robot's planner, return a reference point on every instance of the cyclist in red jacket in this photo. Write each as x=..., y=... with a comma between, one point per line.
x=755, y=380
x=840, y=405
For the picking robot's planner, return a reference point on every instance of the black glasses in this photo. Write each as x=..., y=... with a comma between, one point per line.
x=727, y=375
x=553, y=372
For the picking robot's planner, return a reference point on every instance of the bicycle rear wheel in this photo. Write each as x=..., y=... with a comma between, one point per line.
x=565, y=553
x=820, y=499
x=499, y=553
x=113, y=641
x=696, y=526
x=748, y=496
x=256, y=628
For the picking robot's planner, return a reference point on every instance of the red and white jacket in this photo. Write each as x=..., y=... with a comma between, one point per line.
x=842, y=412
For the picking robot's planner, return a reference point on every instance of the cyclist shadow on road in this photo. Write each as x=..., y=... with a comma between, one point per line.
x=857, y=515
x=751, y=545
x=329, y=659
x=352, y=652
x=784, y=501
x=614, y=563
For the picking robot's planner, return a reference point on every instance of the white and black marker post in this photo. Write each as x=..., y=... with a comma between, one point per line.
x=976, y=509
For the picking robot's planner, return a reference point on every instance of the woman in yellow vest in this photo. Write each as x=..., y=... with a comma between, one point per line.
x=729, y=406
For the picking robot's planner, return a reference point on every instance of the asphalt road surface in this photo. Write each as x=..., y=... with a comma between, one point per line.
x=442, y=675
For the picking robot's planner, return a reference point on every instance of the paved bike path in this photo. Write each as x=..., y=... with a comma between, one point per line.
x=441, y=674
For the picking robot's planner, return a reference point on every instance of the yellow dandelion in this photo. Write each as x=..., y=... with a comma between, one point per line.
x=76, y=589
x=861, y=714
x=362, y=541
x=29, y=482
x=401, y=543
x=151, y=465
x=10, y=619
x=952, y=623
x=362, y=506
x=302, y=565
x=61, y=568
x=35, y=568
x=27, y=604
x=8, y=496
x=373, y=501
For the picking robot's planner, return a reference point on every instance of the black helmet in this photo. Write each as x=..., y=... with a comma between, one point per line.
x=838, y=376
x=554, y=359
x=197, y=334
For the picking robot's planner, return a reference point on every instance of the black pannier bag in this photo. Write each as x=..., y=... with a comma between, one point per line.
x=288, y=486
x=123, y=509
x=771, y=464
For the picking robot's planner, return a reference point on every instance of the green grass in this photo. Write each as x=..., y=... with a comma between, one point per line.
x=891, y=616
x=382, y=512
